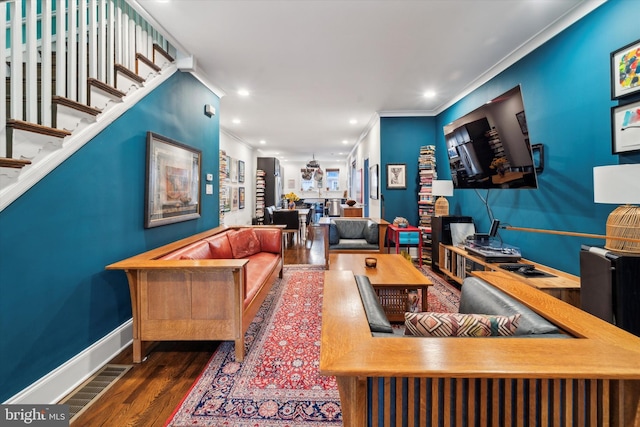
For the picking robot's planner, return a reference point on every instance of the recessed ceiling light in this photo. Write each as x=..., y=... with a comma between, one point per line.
x=262, y=141
x=243, y=92
x=430, y=94
x=344, y=141
x=353, y=121
x=236, y=121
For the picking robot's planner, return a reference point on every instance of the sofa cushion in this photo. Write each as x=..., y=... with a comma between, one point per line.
x=351, y=229
x=196, y=250
x=376, y=316
x=244, y=242
x=334, y=236
x=220, y=247
x=371, y=232
x=478, y=296
x=270, y=239
x=430, y=324
x=258, y=269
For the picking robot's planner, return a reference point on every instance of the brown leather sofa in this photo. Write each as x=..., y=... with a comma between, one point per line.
x=204, y=287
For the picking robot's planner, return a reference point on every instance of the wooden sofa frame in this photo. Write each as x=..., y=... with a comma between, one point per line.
x=191, y=300
x=592, y=379
x=325, y=222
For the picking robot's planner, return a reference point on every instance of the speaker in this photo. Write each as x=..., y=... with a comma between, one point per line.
x=441, y=233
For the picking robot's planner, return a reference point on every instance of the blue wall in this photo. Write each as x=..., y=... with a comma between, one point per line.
x=56, y=298
x=401, y=139
x=566, y=91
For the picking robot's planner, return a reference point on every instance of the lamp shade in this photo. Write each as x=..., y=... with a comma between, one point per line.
x=616, y=184
x=442, y=187
x=620, y=184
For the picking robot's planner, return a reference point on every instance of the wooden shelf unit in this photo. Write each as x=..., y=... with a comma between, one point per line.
x=457, y=264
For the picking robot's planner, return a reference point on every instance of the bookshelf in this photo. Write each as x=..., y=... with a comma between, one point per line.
x=260, y=185
x=426, y=174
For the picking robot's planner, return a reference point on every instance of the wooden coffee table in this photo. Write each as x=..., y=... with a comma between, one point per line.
x=392, y=278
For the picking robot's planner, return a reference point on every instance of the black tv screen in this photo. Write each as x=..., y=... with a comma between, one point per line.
x=490, y=148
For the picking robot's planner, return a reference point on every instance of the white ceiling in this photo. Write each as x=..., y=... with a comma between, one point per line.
x=313, y=65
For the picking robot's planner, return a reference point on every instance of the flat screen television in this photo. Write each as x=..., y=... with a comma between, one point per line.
x=490, y=148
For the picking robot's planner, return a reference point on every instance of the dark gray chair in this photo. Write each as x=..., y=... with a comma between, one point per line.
x=289, y=218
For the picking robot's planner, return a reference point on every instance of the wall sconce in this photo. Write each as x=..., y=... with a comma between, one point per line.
x=620, y=184
x=442, y=188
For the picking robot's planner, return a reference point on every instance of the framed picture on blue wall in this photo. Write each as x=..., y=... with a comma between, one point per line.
x=172, y=191
x=396, y=176
x=625, y=128
x=374, y=179
x=625, y=70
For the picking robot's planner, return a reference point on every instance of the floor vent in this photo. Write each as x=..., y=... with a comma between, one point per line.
x=89, y=391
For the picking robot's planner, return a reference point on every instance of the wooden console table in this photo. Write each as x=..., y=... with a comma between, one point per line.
x=457, y=264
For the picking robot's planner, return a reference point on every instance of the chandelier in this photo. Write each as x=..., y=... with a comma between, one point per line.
x=313, y=170
x=313, y=163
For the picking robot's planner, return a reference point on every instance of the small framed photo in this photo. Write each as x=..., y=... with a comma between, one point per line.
x=374, y=187
x=625, y=128
x=240, y=171
x=625, y=71
x=396, y=176
x=241, y=197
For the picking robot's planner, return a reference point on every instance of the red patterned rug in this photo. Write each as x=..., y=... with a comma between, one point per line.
x=278, y=383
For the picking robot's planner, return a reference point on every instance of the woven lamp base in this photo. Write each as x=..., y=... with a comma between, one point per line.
x=441, y=207
x=624, y=222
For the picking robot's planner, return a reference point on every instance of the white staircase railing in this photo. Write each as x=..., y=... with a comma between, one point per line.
x=59, y=55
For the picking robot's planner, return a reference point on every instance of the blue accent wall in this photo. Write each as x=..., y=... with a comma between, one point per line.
x=400, y=142
x=56, y=297
x=566, y=91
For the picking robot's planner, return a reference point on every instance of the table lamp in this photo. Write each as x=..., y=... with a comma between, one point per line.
x=620, y=184
x=442, y=188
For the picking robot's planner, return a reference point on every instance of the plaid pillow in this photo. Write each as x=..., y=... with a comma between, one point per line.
x=431, y=324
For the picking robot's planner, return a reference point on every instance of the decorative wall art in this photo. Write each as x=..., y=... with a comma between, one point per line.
x=374, y=186
x=234, y=199
x=234, y=170
x=625, y=70
x=396, y=176
x=625, y=128
x=240, y=171
x=172, y=190
x=241, y=197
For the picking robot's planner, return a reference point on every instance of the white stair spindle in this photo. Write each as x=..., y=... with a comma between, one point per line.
x=82, y=52
x=92, y=39
x=72, y=51
x=102, y=41
x=46, y=69
x=31, y=60
x=132, y=42
x=61, y=49
x=126, y=58
x=111, y=42
x=3, y=76
x=117, y=36
x=15, y=94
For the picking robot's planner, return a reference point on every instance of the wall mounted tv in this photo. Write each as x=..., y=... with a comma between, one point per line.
x=490, y=148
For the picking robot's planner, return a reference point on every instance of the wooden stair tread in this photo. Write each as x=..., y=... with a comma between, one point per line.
x=59, y=100
x=161, y=51
x=140, y=57
x=127, y=72
x=36, y=128
x=13, y=163
x=105, y=87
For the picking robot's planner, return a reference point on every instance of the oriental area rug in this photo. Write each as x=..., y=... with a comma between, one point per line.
x=278, y=383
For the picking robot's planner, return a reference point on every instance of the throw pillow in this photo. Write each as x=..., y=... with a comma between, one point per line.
x=244, y=242
x=431, y=324
x=334, y=236
x=371, y=233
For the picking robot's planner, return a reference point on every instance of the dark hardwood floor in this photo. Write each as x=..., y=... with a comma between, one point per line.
x=148, y=393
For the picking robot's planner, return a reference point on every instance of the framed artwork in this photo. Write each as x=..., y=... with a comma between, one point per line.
x=522, y=121
x=241, y=196
x=396, y=176
x=225, y=195
x=625, y=128
x=357, y=184
x=240, y=171
x=234, y=170
x=227, y=168
x=625, y=71
x=172, y=187
x=374, y=187
x=234, y=199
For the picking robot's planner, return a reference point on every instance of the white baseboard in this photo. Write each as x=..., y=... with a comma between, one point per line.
x=61, y=381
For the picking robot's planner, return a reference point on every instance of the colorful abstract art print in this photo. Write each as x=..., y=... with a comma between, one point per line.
x=625, y=71
x=625, y=120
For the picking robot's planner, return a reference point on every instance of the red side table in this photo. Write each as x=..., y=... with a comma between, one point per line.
x=393, y=235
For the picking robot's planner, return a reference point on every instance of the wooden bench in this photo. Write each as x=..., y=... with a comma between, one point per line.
x=591, y=379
